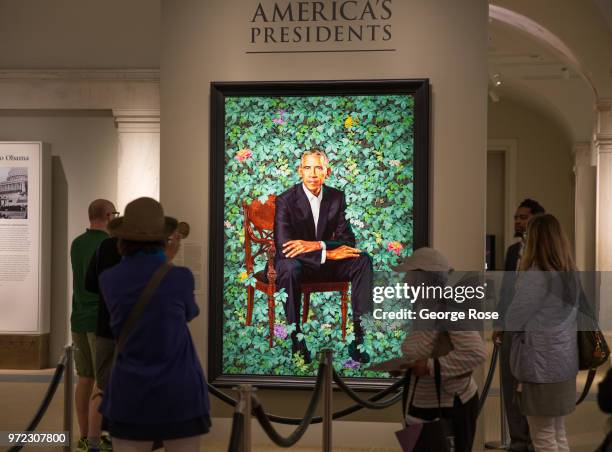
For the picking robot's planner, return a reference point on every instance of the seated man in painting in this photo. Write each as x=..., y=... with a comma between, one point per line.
x=314, y=242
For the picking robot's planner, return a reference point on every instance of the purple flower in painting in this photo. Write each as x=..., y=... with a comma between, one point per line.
x=280, y=120
x=351, y=364
x=280, y=331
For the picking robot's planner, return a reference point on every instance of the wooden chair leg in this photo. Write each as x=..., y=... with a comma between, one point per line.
x=343, y=310
x=306, y=307
x=271, y=319
x=250, y=296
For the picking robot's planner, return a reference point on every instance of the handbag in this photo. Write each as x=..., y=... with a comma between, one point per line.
x=421, y=435
x=593, y=350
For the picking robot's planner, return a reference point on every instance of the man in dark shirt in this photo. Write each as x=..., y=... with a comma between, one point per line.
x=517, y=423
x=106, y=256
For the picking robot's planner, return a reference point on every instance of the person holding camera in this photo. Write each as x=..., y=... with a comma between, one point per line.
x=157, y=390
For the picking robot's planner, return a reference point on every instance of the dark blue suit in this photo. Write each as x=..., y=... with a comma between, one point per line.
x=294, y=221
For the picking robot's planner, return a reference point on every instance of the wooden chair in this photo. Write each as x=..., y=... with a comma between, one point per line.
x=259, y=231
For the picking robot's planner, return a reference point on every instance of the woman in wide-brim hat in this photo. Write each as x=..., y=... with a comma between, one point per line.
x=458, y=353
x=157, y=390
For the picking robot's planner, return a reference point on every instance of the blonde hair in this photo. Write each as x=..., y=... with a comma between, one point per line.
x=547, y=246
x=321, y=154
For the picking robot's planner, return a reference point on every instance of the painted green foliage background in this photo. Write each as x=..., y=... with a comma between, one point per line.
x=369, y=142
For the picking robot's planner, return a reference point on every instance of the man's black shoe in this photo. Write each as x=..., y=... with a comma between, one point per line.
x=300, y=348
x=357, y=355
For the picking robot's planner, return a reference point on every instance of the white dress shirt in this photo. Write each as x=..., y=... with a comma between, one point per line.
x=315, y=207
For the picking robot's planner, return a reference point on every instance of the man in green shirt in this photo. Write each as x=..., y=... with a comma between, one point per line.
x=85, y=310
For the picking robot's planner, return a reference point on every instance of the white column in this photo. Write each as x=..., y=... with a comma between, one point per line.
x=138, y=156
x=585, y=201
x=603, y=149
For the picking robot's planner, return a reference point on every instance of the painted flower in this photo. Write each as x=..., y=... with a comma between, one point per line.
x=228, y=224
x=244, y=154
x=348, y=122
x=243, y=276
x=394, y=163
x=351, y=364
x=395, y=247
x=358, y=223
x=280, y=119
x=280, y=332
x=326, y=326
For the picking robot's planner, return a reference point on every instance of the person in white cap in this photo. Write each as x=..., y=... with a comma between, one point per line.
x=464, y=352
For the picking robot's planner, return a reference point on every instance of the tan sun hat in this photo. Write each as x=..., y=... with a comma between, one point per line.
x=144, y=221
x=427, y=259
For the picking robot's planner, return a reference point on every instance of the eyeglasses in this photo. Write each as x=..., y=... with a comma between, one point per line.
x=114, y=214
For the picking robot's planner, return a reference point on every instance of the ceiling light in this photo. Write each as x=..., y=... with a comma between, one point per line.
x=566, y=73
x=496, y=79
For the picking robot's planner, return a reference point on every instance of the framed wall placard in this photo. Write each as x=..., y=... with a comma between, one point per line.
x=375, y=135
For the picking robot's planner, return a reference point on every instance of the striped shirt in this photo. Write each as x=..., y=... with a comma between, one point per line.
x=456, y=367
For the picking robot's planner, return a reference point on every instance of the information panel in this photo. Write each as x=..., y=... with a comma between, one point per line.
x=24, y=231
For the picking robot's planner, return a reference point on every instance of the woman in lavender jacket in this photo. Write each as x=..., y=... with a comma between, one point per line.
x=543, y=318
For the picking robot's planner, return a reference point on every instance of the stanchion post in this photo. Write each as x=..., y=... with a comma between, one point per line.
x=245, y=405
x=68, y=394
x=504, y=444
x=328, y=360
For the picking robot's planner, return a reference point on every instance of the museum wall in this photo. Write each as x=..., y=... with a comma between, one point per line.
x=544, y=157
x=444, y=41
x=71, y=34
x=84, y=167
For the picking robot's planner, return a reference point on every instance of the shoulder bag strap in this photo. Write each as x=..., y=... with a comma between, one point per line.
x=140, y=305
x=587, y=386
x=438, y=381
x=406, y=389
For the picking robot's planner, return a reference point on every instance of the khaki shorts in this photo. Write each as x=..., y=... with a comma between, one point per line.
x=84, y=353
x=105, y=354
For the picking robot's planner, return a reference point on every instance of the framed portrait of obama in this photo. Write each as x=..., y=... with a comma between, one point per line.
x=317, y=189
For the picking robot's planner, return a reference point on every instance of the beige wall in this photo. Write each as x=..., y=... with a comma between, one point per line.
x=544, y=158
x=84, y=167
x=443, y=40
x=78, y=34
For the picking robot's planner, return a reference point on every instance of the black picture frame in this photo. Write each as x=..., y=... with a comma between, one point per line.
x=418, y=88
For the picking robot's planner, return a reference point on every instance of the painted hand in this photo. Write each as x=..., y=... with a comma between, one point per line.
x=342, y=252
x=294, y=248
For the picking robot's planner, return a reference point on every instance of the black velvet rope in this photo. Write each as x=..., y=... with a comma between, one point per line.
x=318, y=419
x=221, y=395
x=363, y=402
x=42, y=409
x=236, y=435
x=489, y=379
x=294, y=437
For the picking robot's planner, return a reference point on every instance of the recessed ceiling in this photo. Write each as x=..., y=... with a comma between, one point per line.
x=532, y=73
